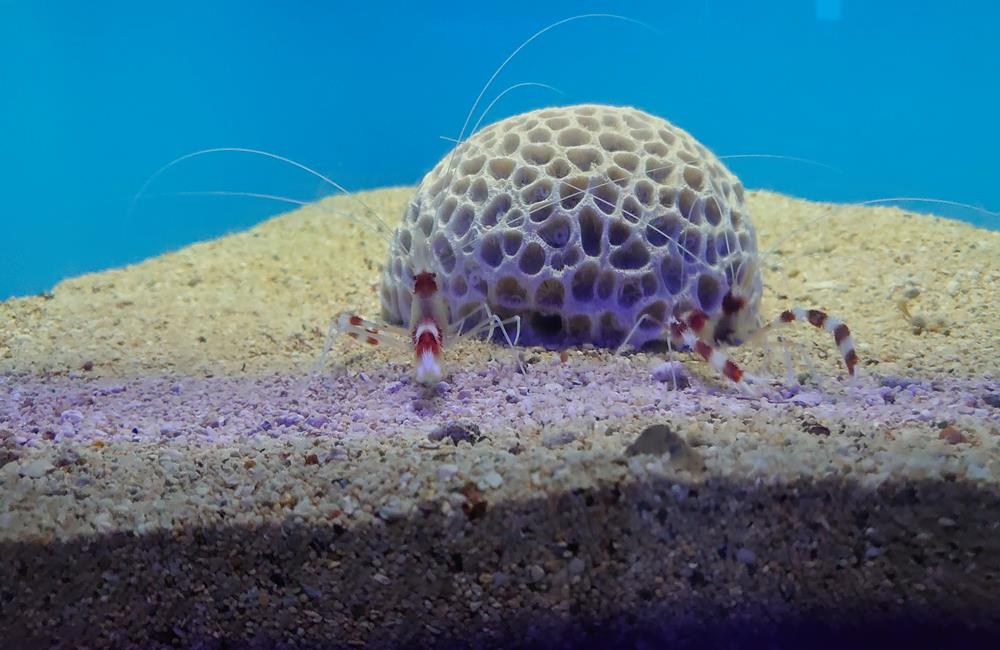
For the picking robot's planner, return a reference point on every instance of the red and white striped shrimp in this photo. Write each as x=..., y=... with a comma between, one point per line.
x=431, y=327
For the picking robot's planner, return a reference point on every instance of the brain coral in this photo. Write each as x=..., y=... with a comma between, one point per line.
x=580, y=220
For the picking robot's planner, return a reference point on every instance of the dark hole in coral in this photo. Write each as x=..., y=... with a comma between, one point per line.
x=629, y=294
x=548, y=327
x=591, y=229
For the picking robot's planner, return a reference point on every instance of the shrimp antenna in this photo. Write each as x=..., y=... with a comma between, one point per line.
x=256, y=152
x=274, y=197
x=918, y=199
x=479, y=98
x=899, y=199
x=506, y=90
x=252, y=195
x=774, y=156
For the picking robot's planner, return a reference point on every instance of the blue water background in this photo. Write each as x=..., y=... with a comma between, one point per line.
x=899, y=97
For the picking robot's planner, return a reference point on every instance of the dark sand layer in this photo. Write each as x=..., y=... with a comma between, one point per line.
x=164, y=482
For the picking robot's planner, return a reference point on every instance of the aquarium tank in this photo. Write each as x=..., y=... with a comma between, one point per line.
x=566, y=324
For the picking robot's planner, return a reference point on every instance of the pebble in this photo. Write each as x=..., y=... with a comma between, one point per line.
x=317, y=420
x=746, y=556
x=288, y=419
x=669, y=372
x=558, y=439
x=72, y=416
x=493, y=479
x=946, y=522
x=36, y=469
x=952, y=435
x=337, y=453
x=576, y=566
x=808, y=398
x=456, y=432
x=395, y=508
x=535, y=573
x=898, y=382
x=68, y=457
x=445, y=471
x=657, y=439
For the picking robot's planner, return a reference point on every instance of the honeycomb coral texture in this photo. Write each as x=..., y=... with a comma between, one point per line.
x=579, y=219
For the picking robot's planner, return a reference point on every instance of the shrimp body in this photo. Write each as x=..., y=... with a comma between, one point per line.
x=430, y=325
x=429, y=315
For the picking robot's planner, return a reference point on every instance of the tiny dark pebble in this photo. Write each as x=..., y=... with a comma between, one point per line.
x=672, y=373
x=898, y=382
x=993, y=399
x=288, y=419
x=335, y=454
x=316, y=420
x=475, y=505
x=69, y=457
x=312, y=459
x=266, y=425
x=456, y=432
x=659, y=439
x=817, y=430
x=697, y=579
x=213, y=421
x=559, y=439
x=952, y=435
x=87, y=366
x=7, y=457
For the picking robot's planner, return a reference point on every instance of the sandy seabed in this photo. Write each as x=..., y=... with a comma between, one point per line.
x=164, y=483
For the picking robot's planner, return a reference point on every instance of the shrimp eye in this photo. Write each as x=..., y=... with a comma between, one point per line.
x=425, y=284
x=732, y=304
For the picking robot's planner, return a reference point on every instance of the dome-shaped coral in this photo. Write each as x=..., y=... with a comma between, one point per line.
x=581, y=220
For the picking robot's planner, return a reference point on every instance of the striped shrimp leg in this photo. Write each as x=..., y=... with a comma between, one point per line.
x=365, y=331
x=688, y=330
x=821, y=320
x=359, y=329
